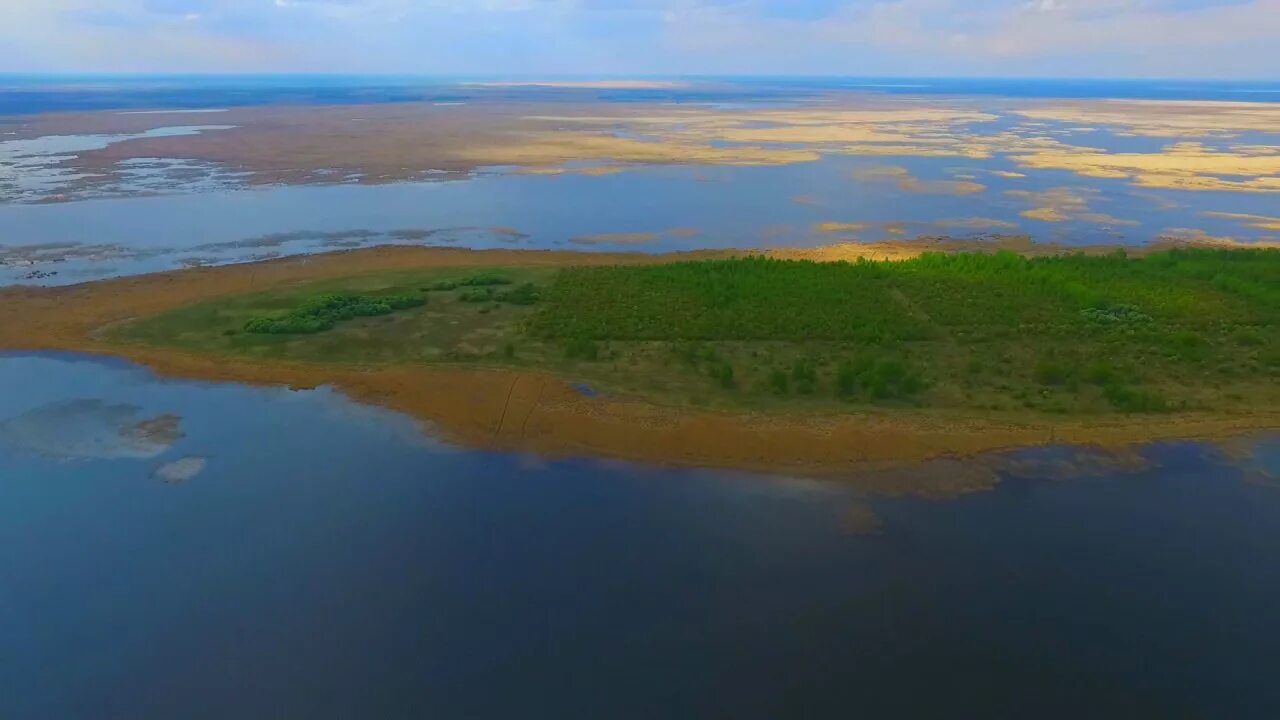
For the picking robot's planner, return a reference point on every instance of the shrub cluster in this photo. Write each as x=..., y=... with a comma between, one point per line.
x=478, y=280
x=582, y=349
x=1121, y=314
x=722, y=373
x=526, y=294
x=1133, y=400
x=324, y=312
x=885, y=378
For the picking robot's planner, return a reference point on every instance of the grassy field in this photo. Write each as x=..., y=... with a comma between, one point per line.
x=1185, y=329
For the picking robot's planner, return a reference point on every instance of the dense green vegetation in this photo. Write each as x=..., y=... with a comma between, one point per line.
x=1185, y=329
x=1041, y=331
x=764, y=299
x=325, y=311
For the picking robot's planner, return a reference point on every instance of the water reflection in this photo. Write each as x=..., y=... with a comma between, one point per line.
x=91, y=429
x=332, y=560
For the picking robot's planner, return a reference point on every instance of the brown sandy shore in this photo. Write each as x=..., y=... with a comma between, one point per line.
x=540, y=413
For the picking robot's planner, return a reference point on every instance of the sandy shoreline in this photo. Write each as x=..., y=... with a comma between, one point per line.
x=540, y=413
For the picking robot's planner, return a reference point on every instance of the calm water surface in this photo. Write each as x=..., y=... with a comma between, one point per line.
x=164, y=214
x=682, y=208
x=314, y=558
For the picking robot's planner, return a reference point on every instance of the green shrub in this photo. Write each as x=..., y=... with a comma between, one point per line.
x=723, y=374
x=1129, y=399
x=887, y=378
x=526, y=294
x=483, y=280
x=1121, y=314
x=322, y=313
x=1100, y=372
x=477, y=295
x=779, y=382
x=847, y=381
x=805, y=377
x=1052, y=372
x=890, y=378
x=1248, y=337
x=1184, y=344
x=687, y=352
x=478, y=280
x=582, y=349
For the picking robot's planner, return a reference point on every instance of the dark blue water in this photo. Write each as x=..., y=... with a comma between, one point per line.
x=26, y=94
x=332, y=561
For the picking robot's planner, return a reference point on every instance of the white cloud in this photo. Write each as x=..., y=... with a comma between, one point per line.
x=1025, y=38
x=854, y=37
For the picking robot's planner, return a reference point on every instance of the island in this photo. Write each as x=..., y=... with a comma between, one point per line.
x=763, y=361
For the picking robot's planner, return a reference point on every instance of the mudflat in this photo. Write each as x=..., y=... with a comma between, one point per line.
x=377, y=143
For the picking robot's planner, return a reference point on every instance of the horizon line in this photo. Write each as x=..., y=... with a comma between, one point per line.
x=552, y=77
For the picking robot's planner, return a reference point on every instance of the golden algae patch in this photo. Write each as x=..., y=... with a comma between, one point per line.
x=969, y=151
x=1195, y=237
x=840, y=227
x=976, y=223
x=1164, y=118
x=909, y=183
x=615, y=239
x=821, y=134
x=634, y=238
x=556, y=148
x=1064, y=204
x=593, y=170
x=896, y=129
x=1261, y=222
x=1045, y=214
x=896, y=229
x=1181, y=166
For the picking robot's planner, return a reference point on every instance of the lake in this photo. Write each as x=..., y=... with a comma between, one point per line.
x=331, y=560
x=173, y=549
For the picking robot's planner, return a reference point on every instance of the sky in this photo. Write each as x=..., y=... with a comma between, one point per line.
x=588, y=38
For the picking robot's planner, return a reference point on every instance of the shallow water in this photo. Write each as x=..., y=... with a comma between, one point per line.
x=680, y=208
x=32, y=169
x=331, y=560
x=160, y=214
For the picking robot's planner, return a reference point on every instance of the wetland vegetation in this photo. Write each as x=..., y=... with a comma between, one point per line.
x=1188, y=329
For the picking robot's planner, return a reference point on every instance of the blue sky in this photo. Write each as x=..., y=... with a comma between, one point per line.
x=523, y=38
